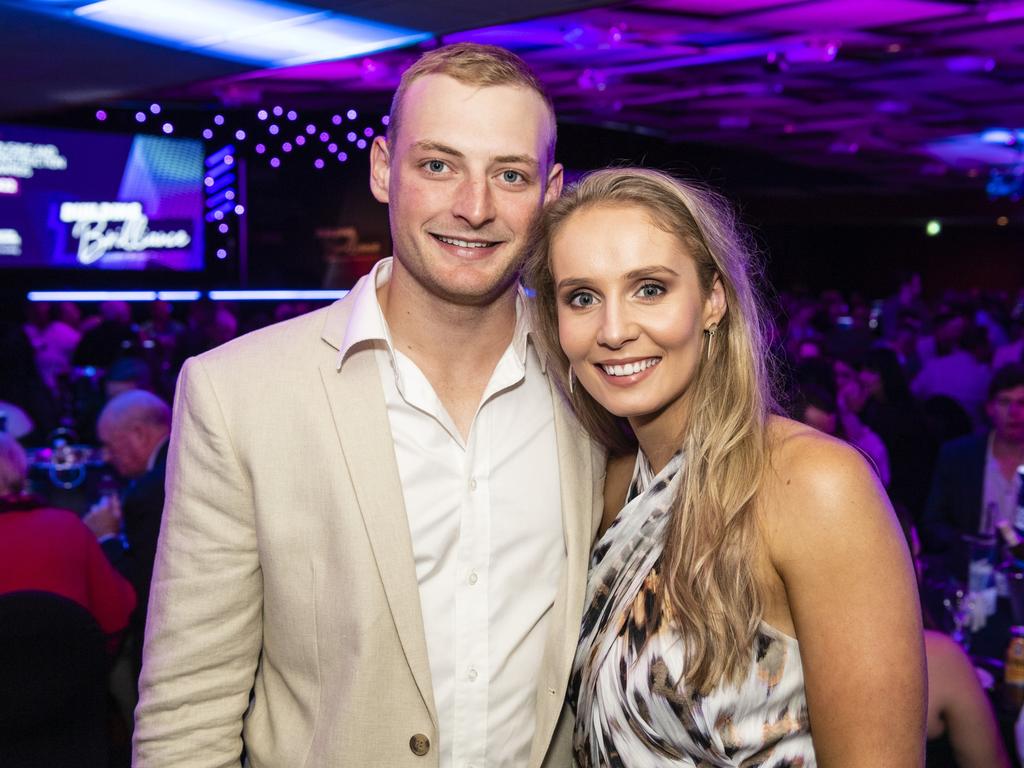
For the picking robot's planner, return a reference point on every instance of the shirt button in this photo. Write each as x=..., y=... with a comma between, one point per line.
x=472, y=674
x=473, y=577
x=472, y=484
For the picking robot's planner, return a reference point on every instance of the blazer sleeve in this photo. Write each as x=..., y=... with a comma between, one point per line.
x=204, y=629
x=940, y=523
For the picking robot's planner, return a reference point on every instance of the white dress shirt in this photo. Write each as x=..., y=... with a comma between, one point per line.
x=486, y=525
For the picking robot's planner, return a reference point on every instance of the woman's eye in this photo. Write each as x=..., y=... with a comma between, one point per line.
x=650, y=291
x=581, y=299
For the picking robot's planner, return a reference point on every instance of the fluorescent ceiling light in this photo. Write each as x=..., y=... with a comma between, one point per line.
x=275, y=295
x=256, y=31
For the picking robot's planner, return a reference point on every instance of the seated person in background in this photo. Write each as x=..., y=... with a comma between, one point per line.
x=837, y=416
x=134, y=428
x=963, y=374
x=50, y=550
x=962, y=729
x=976, y=474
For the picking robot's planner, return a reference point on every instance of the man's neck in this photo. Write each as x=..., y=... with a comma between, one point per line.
x=455, y=346
x=1009, y=454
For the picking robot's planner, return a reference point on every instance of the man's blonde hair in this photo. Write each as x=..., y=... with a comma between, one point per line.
x=472, y=64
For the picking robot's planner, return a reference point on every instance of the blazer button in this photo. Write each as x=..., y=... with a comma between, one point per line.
x=419, y=744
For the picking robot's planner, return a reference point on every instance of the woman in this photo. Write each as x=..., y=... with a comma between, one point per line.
x=753, y=603
x=50, y=550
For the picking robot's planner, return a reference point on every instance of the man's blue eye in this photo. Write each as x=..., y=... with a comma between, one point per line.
x=436, y=166
x=512, y=176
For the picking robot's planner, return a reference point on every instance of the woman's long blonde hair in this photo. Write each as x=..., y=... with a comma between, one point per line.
x=707, y=581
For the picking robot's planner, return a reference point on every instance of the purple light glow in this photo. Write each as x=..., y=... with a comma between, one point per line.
x=386, y=120
x=368, y=132
x=286, y=147
x=229, y=160
x=260, y=149
x=140, y=117
x=207, y=133
x=300, y=139
x=274, y=162
x=336, y=119
x=351, y=136
x=361, y=143
x=240, y=134
x=325, y=136
x=310, y=129
x=218, y=215
x=208, y=181
x=154, y=108
x=167, y=128
x=222, y=227
x=351, y=114
x=343, y=156
x=273, y=129
x=218, y=119
x=221, y=253
x=101, y=115
x=292, y=114
x=229, y=194
x=278, y=111
x=332, y=147
x=239, y=210
x=262, y=115
x=318, y=163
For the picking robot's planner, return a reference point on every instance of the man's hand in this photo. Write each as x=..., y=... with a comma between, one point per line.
x=104, y=517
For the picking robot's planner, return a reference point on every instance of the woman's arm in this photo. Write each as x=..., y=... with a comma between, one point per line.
x=958, y=699
x=850, y=588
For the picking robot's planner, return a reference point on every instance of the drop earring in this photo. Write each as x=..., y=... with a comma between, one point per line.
x=572, y=376
x=711, y=331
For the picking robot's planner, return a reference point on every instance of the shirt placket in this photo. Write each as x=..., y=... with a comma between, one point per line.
x=472, y=666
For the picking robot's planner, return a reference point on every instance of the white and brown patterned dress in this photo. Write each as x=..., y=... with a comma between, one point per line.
x=631, y=709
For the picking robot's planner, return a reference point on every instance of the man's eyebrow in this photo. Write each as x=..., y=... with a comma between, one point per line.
x=517, y=159
x=436, y=146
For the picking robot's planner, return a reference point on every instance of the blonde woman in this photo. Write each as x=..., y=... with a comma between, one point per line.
x=753, y=603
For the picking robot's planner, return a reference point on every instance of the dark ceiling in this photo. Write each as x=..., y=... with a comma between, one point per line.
x=869, y=96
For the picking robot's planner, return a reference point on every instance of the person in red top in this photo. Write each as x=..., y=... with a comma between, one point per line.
x=51, y=550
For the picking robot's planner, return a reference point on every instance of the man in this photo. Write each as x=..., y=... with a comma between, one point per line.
x=379, y=514
x=974, y=486
x=133, y=428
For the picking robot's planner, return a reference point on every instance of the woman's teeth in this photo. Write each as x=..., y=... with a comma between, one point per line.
x=629, y=369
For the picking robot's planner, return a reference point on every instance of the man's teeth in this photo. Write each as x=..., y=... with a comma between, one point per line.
x=462, y=243
x=628, y=369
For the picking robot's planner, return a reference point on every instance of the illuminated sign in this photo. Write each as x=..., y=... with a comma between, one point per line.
x=22, y=159
x=10, y=242
x=97, y=238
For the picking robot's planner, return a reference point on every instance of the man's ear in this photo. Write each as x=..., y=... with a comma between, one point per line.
x=554, y=184
x=380, y=169
x=716, y=305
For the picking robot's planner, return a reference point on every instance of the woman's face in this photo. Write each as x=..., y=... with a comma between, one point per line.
x=631, y=315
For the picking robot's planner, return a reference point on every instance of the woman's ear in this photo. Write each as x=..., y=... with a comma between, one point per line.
x=715, y=306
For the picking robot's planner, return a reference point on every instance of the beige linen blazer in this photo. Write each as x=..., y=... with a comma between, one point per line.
x=285, y=610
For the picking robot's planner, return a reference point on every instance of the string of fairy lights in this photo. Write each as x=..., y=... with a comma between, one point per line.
x=273, y=135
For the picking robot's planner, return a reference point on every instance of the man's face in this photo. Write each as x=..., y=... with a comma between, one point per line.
x=1006, y=412
x=464, y=178
x=124, y=447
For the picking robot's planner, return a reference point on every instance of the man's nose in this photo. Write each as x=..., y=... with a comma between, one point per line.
x=474, y=202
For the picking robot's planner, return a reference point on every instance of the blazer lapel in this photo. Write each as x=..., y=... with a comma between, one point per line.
x=360, y=417
x=577, y=469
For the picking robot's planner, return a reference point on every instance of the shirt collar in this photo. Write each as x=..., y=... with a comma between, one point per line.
x=367, y=323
